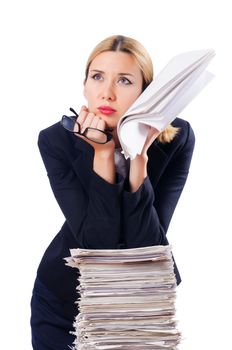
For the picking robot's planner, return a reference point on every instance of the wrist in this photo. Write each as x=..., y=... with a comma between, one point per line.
x=138, y=171
x=140, y=162
x=104, y=151
x=104, y=154
x=104, y=166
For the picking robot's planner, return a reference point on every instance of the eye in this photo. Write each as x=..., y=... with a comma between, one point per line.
x=125, y=81
x=97, y=76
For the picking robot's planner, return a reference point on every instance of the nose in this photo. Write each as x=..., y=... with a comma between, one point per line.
x=108, y=92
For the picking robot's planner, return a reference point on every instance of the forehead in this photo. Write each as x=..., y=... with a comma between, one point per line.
x=115, y=62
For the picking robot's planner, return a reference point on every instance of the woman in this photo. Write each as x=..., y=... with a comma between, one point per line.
x=108, y=202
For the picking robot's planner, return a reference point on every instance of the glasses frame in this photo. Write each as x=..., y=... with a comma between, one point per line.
x=74, y=118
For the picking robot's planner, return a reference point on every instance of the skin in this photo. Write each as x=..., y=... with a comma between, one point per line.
x=106, y=85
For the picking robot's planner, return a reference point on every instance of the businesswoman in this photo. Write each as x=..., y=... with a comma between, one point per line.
x=107, y=201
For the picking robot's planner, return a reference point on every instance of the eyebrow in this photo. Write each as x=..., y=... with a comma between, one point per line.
x=101, y=71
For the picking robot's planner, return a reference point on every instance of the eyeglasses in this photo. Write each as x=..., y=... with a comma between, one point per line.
x=71, y=124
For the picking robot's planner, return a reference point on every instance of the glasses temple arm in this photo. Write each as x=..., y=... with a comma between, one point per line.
x=72, y=110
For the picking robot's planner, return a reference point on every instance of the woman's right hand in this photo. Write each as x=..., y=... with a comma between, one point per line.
x=87, y=119
x=103, y=162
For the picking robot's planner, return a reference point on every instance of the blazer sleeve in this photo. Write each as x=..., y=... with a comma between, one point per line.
x=93, y=214
x=147, y=213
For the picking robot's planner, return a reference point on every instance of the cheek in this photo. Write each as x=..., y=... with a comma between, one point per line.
x=130, y=98
x=88, y=89
x=85, y=92
x=89, y=95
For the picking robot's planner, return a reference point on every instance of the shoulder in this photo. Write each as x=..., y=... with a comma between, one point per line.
x=49, y=139
x=61, y=141
x=52, y=132
x=185, y=133
x=185, y=137
x=183, y=142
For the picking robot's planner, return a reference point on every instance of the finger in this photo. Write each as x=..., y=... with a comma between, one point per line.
x=76, y=127
x=153, y=133
x=94, y=123
x=101, y=124
x=87, y=122
x=83, y=114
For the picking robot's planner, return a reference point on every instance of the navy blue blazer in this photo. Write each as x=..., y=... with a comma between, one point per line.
x=103, y=215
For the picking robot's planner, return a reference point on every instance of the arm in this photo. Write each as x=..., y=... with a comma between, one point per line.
x=147, y=214
x=172, y=182
x=93, y=213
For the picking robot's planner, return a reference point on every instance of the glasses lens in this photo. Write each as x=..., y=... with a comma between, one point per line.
x=96, y=135
x=69, y=123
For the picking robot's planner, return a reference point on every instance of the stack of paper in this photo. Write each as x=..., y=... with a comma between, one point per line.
x=171, y=91
x=127, y=299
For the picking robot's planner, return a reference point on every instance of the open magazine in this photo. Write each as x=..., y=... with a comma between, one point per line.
x=174, y=87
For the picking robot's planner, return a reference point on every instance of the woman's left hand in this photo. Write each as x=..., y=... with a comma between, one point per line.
x=152, y=135
x=138, y=165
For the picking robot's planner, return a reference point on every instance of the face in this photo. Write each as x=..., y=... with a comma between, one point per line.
x=114, y=82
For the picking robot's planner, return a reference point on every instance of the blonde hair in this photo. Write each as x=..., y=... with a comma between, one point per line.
x=137, y=50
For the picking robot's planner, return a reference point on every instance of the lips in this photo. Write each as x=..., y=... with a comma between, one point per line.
x=107, y=110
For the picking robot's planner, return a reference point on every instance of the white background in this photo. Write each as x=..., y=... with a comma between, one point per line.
x=44, y=46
